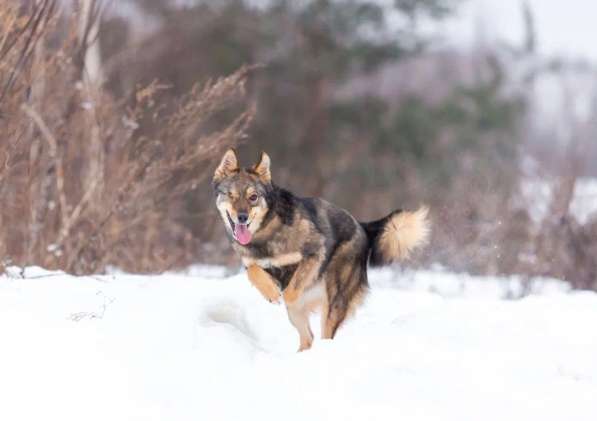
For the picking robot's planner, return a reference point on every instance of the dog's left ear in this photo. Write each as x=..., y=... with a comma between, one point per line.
x=262, y=168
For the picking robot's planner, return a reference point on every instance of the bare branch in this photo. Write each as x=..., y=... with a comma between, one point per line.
x=55, y=155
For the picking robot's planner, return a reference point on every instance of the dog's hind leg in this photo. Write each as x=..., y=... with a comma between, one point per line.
x=299, y=317
x=343, y=296
x=334, y=316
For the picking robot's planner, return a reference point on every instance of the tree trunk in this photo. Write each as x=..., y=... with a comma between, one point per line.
x=92, y=77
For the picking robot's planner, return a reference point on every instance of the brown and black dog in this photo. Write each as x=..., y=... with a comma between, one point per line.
x=309, y=252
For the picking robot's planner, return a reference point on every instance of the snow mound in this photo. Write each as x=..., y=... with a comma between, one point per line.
x=425, y=346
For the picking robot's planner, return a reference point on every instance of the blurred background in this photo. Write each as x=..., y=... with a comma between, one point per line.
x=113, y=115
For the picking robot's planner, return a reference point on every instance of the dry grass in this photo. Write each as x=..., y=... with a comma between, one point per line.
x=88, y=180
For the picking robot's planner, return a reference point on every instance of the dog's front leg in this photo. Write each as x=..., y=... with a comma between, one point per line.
x=298, y=312
x=263, y=281
x=304, y=276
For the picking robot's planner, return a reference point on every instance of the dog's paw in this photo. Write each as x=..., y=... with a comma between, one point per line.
x=275, y=301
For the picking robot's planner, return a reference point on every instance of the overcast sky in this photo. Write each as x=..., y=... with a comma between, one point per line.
x=564, y=27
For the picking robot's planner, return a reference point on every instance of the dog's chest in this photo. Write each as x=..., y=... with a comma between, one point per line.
x=282, y=275
x=281, y=266
x=274, y=256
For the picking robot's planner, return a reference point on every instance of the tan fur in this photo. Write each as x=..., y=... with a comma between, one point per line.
x=298, y=313
x=266, y=285
x=267, y=232
x=256, y=215
x=280, y=260
x=313, y=298
x=285, y=259
x=291, y=294
x=303, y=278
x=403, y=233
x=329, y=321
x=299, y=318
x=357, y=301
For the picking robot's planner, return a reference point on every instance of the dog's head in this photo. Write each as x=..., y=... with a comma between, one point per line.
x=242, y=195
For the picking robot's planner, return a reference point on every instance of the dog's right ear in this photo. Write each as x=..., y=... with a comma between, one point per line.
x=228, y=166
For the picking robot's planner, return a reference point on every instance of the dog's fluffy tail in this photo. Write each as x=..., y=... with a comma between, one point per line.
x=396, y=236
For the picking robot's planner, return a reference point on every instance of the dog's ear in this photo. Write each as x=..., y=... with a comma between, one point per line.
x=228, y=165
x=262, y=168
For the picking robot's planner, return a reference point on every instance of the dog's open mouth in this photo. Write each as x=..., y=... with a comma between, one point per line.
x=240, y=232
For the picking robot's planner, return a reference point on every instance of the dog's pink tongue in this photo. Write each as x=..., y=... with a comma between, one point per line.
x=242, y=234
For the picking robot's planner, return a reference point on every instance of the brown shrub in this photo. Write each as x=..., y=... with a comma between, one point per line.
x=88, y=180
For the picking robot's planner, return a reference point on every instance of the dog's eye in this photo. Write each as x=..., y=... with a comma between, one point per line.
x=253, y=198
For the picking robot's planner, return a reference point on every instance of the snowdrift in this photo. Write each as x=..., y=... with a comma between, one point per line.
x=199, y=346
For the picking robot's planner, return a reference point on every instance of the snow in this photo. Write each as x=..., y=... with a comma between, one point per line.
x=204, y=345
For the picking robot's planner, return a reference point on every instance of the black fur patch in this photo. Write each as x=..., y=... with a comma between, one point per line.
x=310, y=249
x=259, y=249
x=282, y=275
x=309, y=205
x=216, y=186
x=343, y=228
x=374, y=230
x=284, y=205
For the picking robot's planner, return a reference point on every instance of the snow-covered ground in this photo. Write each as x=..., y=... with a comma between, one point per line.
x=206, y=346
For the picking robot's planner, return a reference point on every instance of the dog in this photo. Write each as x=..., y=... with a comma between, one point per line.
x=309, y=253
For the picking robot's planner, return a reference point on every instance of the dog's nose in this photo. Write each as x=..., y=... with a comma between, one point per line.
x=243, y=217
